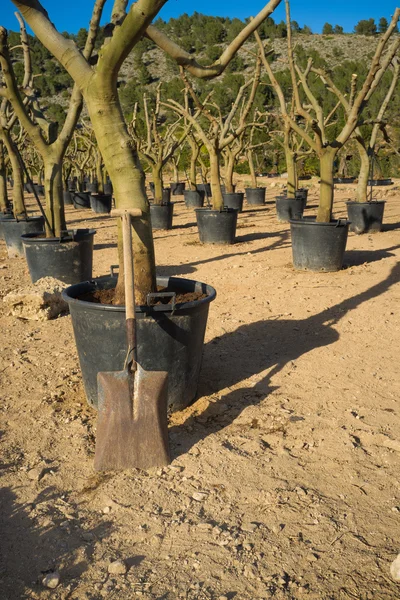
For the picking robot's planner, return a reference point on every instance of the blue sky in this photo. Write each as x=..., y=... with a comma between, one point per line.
x=73, y=14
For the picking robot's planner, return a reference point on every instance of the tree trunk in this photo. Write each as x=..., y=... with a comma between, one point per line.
x=4, y=203
x=193, y=163
x=365, y=167
x=230, y=165
x=217, y=199
x=176, y=172
x=252, y=169
x=54, y=197
x=158, y=183
x=326, y=186
x=19, y=209
x=122, y=164
x=99, y=176
x=291, y=170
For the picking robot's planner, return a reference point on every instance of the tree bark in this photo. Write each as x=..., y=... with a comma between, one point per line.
x=4, y=203
x=158, y=183
x=19, y=209
x=252, y=169
x=217, y=199
x=123, y=166
x=363, y=176
x=291, y=171
x=327, y=159
x=54, y=196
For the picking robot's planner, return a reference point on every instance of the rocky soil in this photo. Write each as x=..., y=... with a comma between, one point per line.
x=284, y=482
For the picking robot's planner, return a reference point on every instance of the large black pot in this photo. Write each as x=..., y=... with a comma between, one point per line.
x=233, y=200
x=100, y=203
x=255, y=196
x=378, y=182
x=162, y=215
x=194, y=198
x=4, y=217
x=39, y=188
x=169, y=337
x=318, y=246
x=13, y=229
x=68, y=259
x=288, y=208
x=67, y=198
x=366, y=217
x=204, y=187
x=108, y=188
x=216, y=227
x=177, y=188
x=80, y=199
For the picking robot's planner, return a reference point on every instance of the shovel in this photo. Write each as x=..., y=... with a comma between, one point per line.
x=132, y=430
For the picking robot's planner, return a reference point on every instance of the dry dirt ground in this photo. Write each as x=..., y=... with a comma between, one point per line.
x=284, y=482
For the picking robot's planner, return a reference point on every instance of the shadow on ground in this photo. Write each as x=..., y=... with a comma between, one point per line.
x=38, y=537
x=257, y=347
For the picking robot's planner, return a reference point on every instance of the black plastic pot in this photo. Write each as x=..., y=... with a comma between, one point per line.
x=302, y=194
x=161, y=215
x=71, y=184
x=68, y=259
x=255, y=196
x=100, y=203
x=28, y=188
x=344, y=179
x=378, y=182
x=366, y=217
x=81, y=199
x=204, y=187
x=288, y=208
x=92, y=188
x=169, y=337
x=194, y=198
x=67, y=197
x=4, y=217
x=234, y=200
x=13, y=229
x=108, y=188
x=39, y=189
x=177, y=188
x=216, y=227
x=304, y=177
x=318, y=246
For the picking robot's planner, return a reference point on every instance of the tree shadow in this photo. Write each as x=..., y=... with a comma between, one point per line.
x=267, y=345
x=105, y=245
x=355, y=258
x=42, y=536
x=390, y=226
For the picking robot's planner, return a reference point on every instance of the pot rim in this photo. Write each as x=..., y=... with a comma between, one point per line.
x=211, y=291
x=30, y=238
x=313, y=223
x=225, y=209
x=354, y=202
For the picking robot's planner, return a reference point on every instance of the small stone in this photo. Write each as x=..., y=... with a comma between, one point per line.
x=87, y=536
x=395, y=568
x=223, y=598
x=51, y=580
x=199, y=496
x=106, y=510
x=117, y=567
x=249, y=527
x=36, y=474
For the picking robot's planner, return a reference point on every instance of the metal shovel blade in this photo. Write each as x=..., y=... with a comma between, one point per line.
x=132, y=427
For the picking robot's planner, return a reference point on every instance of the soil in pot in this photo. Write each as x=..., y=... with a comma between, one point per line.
x=234, y=200
x=366, y=217
x=101, y=203
x=194, y=198
x=162, y=215
x=68, y=259
x=13, y=229
x=318, y=246
x=289, y=208
x=255, y=196
x=170, y=334
x=216, y=227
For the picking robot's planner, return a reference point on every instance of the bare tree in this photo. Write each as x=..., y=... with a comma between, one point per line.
x=98, y=85
x=311, y=111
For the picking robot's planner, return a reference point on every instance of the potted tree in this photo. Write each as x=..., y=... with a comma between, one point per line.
x=98, y=85
x=319, y=244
